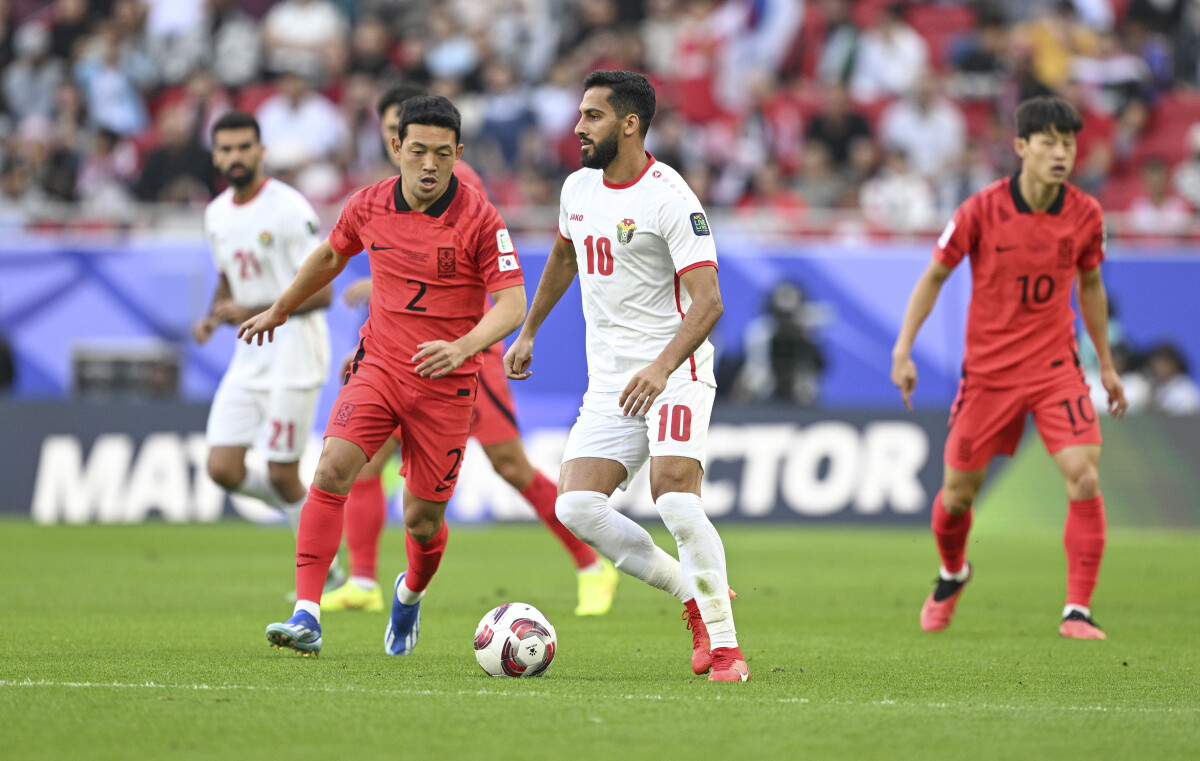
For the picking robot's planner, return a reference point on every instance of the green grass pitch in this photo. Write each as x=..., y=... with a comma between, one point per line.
x=146, y=642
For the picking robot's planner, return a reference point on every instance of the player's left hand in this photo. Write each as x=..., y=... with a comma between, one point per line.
x=1116, y=392
x=643, y=388
x=262, y=323
x=440, y=358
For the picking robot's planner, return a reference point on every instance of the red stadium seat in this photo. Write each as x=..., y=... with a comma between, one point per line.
x=252, y=96
x=940, y=26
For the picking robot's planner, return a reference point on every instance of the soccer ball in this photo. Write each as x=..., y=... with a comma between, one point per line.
x=515, y=640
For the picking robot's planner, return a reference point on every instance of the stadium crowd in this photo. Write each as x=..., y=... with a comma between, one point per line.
x=812, y=108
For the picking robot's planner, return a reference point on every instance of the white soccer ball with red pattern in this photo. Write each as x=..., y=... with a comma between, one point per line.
x=515, y=640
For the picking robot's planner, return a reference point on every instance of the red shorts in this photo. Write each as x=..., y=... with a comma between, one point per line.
x=495, y=418
x=985, y=422
x=432, y=421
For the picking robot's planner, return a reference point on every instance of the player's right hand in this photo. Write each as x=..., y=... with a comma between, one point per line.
x=357, y=293
x=203, y=329
x=259, y=324
x=518, y=358
x=904, y=375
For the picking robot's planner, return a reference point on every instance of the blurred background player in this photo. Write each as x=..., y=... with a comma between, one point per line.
x=417, y=359
x=493, y=425
x=636, y=235
x=1028, y=238
x=260, y=230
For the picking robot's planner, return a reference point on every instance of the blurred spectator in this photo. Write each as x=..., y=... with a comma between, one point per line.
x=768, y=193
x=31, y=81
x=525, y=33
x=233, y=44
x=839, y=49
x=1158, y=210
x=1187, y=173
x=819, y=183
x=370, y=46
x=982, y=59
x=305, y=37
x=1113, y=74
x=660, y=33
x=21, y=201
x=205, y=102
x=891, y=58
x=1054, y=39
x=175, y=31
x=757, y=36
x=508, y=115
x=300, y=126
x=1175, y=393
x=179, y=170
x=8, y=21
x=782, y=359
x=898, y=198
x=112, y=95
x=1132, y=122
x=106, y=176
x=451, y=52
x=838, y=126
x=929, y=128
x=69, y=24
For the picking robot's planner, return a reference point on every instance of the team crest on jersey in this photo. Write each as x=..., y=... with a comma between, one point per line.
x=625, y=230
x=446, y=262
x=1066, y=253
x=700, y=224
x=266, y=238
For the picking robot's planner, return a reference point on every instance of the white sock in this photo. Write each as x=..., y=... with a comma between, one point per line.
x=362, y=582
x=406, y=596
x=595, y=567
x=961, y=575
x=258, y=485
x=702, y=558
x=310, y=607
x=622, y=541
x=292, y=511
x=1085, y=611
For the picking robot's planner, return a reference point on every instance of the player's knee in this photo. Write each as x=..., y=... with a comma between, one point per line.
x=957, y=499
x=1084, y=483
x=286, y=482
x=334, y=476
x=422, y=529
x=577, y=509
x=227, y=474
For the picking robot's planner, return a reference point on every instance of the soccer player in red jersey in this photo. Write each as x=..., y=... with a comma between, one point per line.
x=493, y=425
x=1029, y=238
x=436, y=247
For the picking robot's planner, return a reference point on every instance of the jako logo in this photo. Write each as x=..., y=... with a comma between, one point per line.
x=576, y=217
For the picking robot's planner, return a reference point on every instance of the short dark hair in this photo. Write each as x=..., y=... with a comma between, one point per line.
x=1046, y=112
x=397, y=95
x=237, y=120
x=432, y=111
x=628, y=93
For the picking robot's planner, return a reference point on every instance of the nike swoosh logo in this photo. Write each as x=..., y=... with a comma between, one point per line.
x=441, y=488
x=301, y=565
x=381, y=248
x=1002, y=249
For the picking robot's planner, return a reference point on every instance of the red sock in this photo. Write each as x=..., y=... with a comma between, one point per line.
x=317, y=541
x=423, y=559
x=542, y=494
x=951, y=534
x=366, y=512
x=1083, y=538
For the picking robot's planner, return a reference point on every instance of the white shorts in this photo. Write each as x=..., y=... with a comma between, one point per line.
x=277, y=422
x=677, y=426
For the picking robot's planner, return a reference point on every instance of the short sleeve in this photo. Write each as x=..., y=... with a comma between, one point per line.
x=685, y=228
x=495, y=254
x=961, y=236
x=563, y=230
x=303, y=238
x=344, y=238
x=1097, y=242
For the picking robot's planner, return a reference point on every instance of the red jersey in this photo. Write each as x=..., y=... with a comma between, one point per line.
x=1020, y=325
x=431, y=269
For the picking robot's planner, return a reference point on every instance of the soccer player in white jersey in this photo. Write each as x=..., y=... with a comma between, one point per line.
x=260, y=231
x=636, y=235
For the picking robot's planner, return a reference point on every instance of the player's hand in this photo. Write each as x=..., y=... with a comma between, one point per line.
x=904, y=375
x=439, y=358
x=643, y=388
x=228, y=311
x=203, y=329
x=263, y=323
x=1116, y=392
x=518, y=358
x=358, y=293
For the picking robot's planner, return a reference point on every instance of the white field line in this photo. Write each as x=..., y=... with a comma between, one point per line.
x=343, y=689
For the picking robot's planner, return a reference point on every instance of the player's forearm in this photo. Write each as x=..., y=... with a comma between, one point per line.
x=319, y=300
x=556, y=279
x=498, y=322
x=697, y=324
x=220, y=293
x=1093, y=308
x=920, y=304
x=317, y=272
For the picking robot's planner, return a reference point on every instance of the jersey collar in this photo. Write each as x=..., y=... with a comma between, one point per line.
x=439, y=206
x=634, y=181
x=1023, y=208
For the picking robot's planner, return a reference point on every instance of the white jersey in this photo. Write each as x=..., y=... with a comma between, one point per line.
x=259, y=246
x=632, y=242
